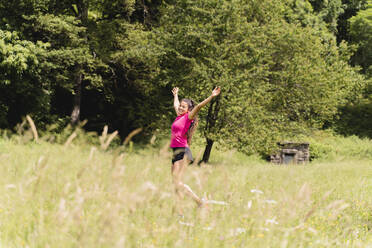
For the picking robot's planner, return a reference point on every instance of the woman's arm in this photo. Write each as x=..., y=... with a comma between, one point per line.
x=176, y=102
x=196, y=109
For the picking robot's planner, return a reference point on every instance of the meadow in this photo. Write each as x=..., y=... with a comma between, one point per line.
x=79, y=194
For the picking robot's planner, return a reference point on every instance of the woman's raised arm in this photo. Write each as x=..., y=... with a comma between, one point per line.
x=176, y=102
x=196, y=109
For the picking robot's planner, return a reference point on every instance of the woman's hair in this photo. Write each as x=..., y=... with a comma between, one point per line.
x=191, y=104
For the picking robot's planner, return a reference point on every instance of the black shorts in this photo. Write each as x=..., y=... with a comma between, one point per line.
x=180, y=152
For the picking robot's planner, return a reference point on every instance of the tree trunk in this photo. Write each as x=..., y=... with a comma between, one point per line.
x=82, y=14
x=83, y=6
x=213, y=110
x=207, y=151
x=75, y=115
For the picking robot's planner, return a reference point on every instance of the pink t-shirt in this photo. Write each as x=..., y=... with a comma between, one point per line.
x=180, y=127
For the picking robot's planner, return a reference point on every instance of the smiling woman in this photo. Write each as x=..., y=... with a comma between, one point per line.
x=183, y=128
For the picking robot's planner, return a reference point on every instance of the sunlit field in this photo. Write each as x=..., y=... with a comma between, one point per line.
x=78, y=195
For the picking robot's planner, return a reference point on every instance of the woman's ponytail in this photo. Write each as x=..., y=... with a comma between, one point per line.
x=194, y=123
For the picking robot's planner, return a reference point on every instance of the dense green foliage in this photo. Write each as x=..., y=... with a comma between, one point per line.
x=114, y=62
x=356, y=117
x=22, y=87
x=361, y=33
x=97, y=56
x=279, y=78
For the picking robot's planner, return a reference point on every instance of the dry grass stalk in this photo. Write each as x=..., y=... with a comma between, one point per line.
x=81, y=171
x=70, y=139
x=131, y=134
x=42, y=163
x=92, y=150
x=109, y=139
x=20, y=127
x=310, y=213
x=197, y=158
x=33, y=127
x=304, y=195
x=82, y=123
x=312, y=210
x=336, y=208
x=5, y=135
x=334, y=205
x=102, y=138
x=116, y=161
x=41, y=166
x=164, y=150
x=197, y=179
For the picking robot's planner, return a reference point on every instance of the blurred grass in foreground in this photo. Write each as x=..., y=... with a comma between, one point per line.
x=78, y=195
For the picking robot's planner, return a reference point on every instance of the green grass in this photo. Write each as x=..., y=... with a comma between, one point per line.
x=79, y=196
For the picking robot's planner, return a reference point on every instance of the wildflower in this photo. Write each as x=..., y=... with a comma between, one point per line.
x=237, y=231
x=217, y=202
x=272, y=221
x=271, y=201
x=257, y=191
x=186, y=223
x=249, y=204
x=10, y=186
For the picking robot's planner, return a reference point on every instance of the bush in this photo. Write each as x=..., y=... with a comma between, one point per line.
x=328, y=146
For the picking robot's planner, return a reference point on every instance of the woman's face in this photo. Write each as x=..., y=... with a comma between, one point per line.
x=183, y=108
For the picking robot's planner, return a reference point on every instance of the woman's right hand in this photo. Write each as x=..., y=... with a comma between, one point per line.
x=175, y=91
x=216, y=91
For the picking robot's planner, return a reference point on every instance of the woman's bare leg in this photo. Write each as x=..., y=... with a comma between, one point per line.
x=178, y=169
x=176, y=172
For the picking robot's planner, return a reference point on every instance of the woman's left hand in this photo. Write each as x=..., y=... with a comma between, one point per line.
x=175, y=91
x=216, y=91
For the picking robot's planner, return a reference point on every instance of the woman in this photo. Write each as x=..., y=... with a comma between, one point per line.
x=182, y=130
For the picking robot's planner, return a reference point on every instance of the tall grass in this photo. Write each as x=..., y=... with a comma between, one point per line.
x=83, y=195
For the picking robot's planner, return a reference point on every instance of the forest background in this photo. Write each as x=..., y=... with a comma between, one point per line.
x=286, y=67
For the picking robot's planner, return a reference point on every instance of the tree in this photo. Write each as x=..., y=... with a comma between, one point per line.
x=326, y=16
x=95, y=51
x=361, y=35
x=114, y=62
x=22, y=89
x=278, y=78
x=351, y=8
x=357, y=115
x=318, y=14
